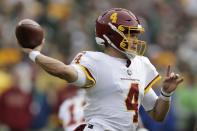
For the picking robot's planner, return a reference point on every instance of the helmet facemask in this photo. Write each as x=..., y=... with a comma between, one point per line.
x=129, y=43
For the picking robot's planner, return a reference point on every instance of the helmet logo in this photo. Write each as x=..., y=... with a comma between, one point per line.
x=114, y=17
x=121, y=28
x=122, y=45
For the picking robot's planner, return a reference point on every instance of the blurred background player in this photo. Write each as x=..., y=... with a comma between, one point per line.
x=71, y=110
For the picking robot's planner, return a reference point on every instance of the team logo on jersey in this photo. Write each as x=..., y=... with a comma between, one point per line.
x=129, y=72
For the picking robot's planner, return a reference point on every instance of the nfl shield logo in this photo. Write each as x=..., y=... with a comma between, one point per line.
x=129, y=72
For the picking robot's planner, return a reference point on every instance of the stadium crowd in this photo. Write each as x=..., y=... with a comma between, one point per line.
x=30, y=98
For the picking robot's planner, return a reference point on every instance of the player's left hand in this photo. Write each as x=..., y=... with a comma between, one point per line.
x=171, y=81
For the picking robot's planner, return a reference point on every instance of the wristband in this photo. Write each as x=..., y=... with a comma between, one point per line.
x=165, y=93
x=33, y=55
x=165, y=98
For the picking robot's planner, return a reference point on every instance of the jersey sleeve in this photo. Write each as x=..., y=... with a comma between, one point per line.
x=149, y=100
x=151, y=74
x=85, y=68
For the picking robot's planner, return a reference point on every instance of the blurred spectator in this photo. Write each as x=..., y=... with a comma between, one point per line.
x=15, y=109
x=5, y=81
x=186, y=104
x=15, y=103
x=188, y=48
x=41, y=110
x=190, y=7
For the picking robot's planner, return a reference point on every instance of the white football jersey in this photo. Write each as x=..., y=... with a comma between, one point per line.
x=71, y=111
x=116, y=91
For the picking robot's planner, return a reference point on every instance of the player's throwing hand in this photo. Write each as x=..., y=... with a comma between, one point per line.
x=38, y=48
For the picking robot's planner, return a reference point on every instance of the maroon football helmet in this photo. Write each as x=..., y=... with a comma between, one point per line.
x=119, y=28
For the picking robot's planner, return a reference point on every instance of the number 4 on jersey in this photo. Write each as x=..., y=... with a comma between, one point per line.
x=132, y=100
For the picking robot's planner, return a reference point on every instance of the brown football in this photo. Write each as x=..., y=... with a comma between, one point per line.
x=29, y=33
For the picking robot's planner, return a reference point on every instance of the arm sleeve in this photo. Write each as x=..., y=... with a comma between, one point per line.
x=149, y=100
x=84, y=66
x=151, y=75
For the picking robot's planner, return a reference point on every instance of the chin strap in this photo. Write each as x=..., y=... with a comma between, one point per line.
x=129, y=56
x=100, y=41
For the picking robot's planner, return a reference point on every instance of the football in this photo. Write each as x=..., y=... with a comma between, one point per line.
x=29, y=33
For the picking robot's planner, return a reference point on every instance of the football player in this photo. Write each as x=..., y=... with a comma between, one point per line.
x=71, y=110
x=118, y=80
